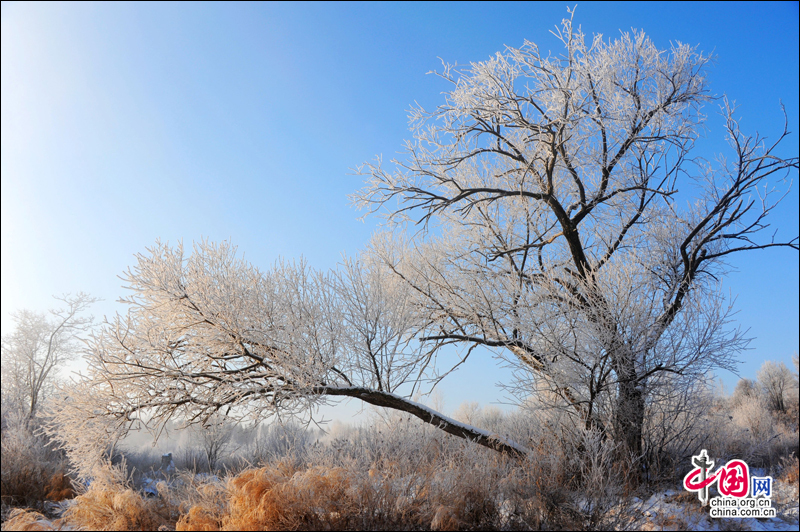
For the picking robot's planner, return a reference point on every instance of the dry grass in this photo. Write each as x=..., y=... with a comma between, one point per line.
x=109, y=509
x=59, y=487
x=791, y=471
x=111, y=504
x=26, y=480
x=199, y=518
x=279, y=497
x=24, y=519
x=32, y=470
x=462, y=490
x=22, y=483
x=402, y=475
x=396, y=473
x=273, y=498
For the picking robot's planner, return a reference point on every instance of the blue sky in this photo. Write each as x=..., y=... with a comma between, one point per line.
x=127, y=123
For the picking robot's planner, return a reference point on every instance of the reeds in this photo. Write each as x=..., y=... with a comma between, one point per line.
x=396, y=473
x=26, y=519
x=110, y=503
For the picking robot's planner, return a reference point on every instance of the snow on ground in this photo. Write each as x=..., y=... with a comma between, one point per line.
x=681, y=510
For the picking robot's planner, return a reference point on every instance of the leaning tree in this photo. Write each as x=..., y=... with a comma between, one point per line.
x=209, y=335
x=537, y=214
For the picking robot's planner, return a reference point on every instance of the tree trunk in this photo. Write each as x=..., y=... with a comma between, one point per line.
x=629, y=415
x=629, y=420
x=451, y=426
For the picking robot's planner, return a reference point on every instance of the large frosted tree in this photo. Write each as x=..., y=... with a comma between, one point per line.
x=568, y=224
x=550, y=229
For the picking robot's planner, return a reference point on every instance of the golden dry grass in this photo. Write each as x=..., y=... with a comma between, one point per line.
x=25, y=519
x=110, y=504
x=283, y=496
x=791, y=472
x=279, y=497
x=199, y=518
x=59, y=487
x=108, y=509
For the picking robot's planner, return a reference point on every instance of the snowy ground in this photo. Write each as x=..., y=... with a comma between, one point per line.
x=681, y=510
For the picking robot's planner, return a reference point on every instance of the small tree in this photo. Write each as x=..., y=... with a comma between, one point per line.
x=214, y=438
x=775, y=381
x=746, y=390
x=39, y=346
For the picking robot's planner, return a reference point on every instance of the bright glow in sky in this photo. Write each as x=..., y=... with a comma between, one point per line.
x=126, y=123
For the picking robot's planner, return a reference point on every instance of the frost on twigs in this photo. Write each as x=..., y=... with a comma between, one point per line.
x=550, y=230
x=550, y=226
x=208, y=334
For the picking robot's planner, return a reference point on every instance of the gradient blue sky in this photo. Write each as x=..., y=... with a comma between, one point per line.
x=125, y=123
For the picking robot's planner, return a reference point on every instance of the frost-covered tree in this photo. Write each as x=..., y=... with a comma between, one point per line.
x=209, y=335
x=568, y=225
x=37, y=348
x=775, y=381
x=214, y=439
x=746, y=390
x=553, y=233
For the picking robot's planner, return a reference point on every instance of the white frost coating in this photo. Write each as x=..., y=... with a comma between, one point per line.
x=466, y=426
x=551, y=182
x=210, y=333
x=433, y=413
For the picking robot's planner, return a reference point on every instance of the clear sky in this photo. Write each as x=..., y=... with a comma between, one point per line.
x=125, y=123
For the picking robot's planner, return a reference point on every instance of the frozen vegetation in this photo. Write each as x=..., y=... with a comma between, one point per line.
x=395, y=472
x=547, y=229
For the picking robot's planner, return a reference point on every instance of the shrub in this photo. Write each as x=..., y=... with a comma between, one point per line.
x=32, y=471
x=111, y=503
x=396, y=473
